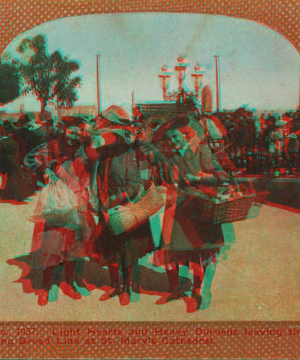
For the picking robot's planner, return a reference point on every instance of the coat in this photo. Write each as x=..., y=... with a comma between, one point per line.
x=10, y=164
x=185, y=236
x=55, y=243
x=119, y=183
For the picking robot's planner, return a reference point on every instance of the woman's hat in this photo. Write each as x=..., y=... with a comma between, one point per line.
x=117, y=114
x=176, y=122
x=67, y=121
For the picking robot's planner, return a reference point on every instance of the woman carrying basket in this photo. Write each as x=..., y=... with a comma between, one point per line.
x=187, y=239
x=120, y=183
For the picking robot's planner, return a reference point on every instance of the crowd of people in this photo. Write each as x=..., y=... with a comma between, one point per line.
x=85, y=173
x=17, y=139
x=263, y=145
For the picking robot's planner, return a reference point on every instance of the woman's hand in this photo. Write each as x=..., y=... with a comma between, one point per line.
x=194, y=179
x=49, y=176
x=201, y=177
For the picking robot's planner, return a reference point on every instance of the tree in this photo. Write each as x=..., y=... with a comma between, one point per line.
x=49, y=77
x=9, y=83
x=65, y=85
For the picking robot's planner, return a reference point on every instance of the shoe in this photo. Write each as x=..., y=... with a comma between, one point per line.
x=135, y=295
x=197, y=297
x=124, y=298
x=53, y=293
x=206, y=300
x=68, y=290
x=43, y=298
x=192, y=306
x=110, y=295
x=82, y=290
x=127, y=289
x=136, y=288
x=173, y=296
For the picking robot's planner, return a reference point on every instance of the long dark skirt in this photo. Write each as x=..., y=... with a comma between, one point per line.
x=190, y=241
x=126, y=248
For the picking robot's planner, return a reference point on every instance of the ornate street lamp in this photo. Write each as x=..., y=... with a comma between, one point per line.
x=182, y=92
x=181, y=70
x=165, y=78
x=198, y=73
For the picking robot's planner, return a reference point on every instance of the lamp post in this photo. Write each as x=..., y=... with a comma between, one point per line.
x=181, y=70
x=165, y=78
x=197, y=75
x=182, y=92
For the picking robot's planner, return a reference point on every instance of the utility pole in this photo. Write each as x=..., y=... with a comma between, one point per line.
x=299, y=89
x=217, y=83
x=98, y=84
x=133, y=99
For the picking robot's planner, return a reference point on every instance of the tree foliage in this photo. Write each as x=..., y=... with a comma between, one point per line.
x=49, y=77
x=9, y=83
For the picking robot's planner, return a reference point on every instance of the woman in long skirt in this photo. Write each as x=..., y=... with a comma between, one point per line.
x=60, y=243
x=122, y=252
x=188, y=239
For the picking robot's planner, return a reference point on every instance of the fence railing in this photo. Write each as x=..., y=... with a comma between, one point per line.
x=282, y=155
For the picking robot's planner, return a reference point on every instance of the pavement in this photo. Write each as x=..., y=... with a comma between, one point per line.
x=256, y=278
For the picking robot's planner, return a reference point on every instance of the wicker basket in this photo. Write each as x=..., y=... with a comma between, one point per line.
x=216, y=211
x=129, y=216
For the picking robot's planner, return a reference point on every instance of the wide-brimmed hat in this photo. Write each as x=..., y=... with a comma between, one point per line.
x=110, y=144
x=107, y=130
x=67, y=121
x=117, y=114
x=176, y=122
x=104, y=125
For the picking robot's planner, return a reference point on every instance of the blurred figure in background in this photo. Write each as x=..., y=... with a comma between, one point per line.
x=12, y=187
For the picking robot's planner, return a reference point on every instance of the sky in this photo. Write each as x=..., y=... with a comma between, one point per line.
x=258, y=66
